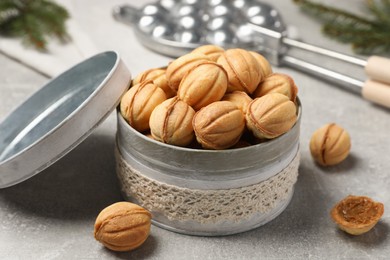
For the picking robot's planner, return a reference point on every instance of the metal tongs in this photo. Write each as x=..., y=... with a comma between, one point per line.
x=174, y=28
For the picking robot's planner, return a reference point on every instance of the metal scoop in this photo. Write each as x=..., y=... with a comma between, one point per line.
x=175, y=27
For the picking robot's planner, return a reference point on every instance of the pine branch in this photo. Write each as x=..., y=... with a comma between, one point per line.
x=35, y=21
x=367, y=42
x=381, y=12
x=367, y=35
x=328, y=13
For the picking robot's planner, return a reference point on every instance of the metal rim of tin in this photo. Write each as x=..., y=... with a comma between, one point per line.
x=228, y=168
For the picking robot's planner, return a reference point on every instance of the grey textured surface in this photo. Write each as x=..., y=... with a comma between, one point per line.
x=51, y=216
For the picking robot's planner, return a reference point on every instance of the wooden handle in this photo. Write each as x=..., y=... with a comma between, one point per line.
x=377, y=92
x=378, y=69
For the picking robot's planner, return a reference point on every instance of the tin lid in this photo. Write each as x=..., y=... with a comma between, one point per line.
x=59, y=116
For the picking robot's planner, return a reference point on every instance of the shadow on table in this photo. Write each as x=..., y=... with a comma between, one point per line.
x=374, y=237
x=145, y=251
x=349, y=163
x=77, y=186
x=306, y=222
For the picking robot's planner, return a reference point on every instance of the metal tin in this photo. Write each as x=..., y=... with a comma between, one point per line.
x=196, y=169
x=60, y=116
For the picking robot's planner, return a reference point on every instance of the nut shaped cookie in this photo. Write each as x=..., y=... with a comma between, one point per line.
x=219, y=125
x=159, y=79
x=244, y=71
x=203, y=84
x=271, y=115
x=264, y=64
x=179, y=67
x=171, y=122
x=211, y=51
x=138, y=103
x=239, y=98
x=330, y=144
x=122, y=226
x=277, y=82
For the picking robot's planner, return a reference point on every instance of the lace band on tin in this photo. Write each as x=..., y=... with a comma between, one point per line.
x=206, y=206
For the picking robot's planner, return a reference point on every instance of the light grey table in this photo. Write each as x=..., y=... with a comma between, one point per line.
x=51, y=216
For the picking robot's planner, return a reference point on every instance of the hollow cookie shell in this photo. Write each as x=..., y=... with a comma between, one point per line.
x=219, y=125
x=330, y=144
x=171, y=122
x=122, y=226
x=271, y=115
x=357, y=214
